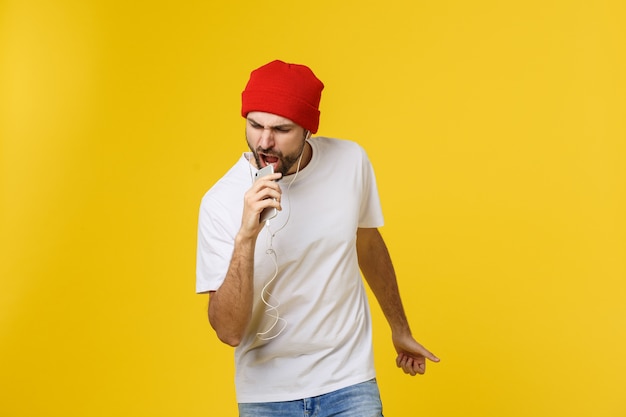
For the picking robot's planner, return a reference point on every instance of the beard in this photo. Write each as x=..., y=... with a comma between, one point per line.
x=285, y=162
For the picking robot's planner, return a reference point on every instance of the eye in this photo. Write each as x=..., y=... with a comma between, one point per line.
x=254, y=124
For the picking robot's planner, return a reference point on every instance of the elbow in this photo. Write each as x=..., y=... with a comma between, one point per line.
x=226, y=336
x=230, y=340
x=229, y=328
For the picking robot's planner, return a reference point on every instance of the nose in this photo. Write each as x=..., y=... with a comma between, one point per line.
x=266, y=140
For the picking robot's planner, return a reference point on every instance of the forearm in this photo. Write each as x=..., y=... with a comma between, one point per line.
x=230, y=307
x=376, y=265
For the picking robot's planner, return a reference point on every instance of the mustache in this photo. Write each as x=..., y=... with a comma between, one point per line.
x=269, y=152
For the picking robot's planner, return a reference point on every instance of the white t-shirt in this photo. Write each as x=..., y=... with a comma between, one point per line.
x=326, y=341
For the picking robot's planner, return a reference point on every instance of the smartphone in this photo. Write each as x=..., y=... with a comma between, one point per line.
x=270, y=212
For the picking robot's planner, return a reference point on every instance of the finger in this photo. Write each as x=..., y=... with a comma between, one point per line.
x=410, y=365
x=407, y=365
x=274, y=177
x=265, y=198
x=268, y=192
x=268, y=180
x=401, y=361
x=427, y=354
x=419, y=367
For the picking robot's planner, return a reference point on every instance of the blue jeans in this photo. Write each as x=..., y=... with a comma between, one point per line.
x=360, y=400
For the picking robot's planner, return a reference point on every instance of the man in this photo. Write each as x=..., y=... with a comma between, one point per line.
x=288, y=292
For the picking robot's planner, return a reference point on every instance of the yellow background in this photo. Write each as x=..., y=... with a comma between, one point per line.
x=498, y=135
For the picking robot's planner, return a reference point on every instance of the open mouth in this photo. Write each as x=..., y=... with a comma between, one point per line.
x=269, y=160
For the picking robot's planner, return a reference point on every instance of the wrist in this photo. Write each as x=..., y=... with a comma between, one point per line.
x=401, y=330
x=245, y=238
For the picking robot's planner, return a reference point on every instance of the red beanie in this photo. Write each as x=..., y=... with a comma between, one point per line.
x=288, y=90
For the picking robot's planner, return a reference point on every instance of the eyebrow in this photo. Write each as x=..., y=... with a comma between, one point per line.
x=278, y=126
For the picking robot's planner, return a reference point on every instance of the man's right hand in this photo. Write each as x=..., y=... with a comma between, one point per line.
x=264, y=193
